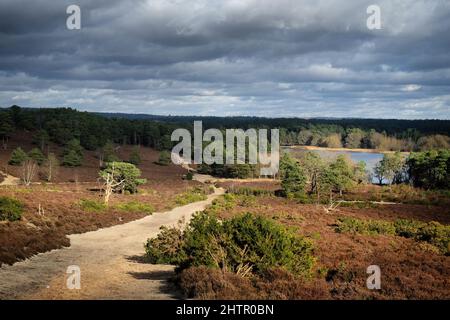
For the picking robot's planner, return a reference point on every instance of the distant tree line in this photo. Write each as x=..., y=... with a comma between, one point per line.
x=337, y=137
x=64, y=125
x=382, y=134
x=94, y=130
x=76, y=131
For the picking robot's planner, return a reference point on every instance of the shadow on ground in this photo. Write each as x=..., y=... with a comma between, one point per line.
x=167, y=278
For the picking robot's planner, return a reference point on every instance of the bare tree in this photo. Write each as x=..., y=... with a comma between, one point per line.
x=29, y=170
x=51, y=167
x=332, y=206
x=111, y=182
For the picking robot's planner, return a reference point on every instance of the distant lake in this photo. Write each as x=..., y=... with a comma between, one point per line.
x=370, y=158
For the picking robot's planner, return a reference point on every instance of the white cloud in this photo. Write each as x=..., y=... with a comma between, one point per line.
x=411, y=88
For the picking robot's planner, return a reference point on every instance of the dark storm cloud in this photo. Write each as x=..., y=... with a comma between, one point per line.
x=268, y=58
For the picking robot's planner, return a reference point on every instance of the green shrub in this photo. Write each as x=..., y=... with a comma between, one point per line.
x=164, y=158
x=380, y=227
x=250, y=191
x=368, y=227
x=407, y=228
x=91, y=205
x=300, y=197
x=135, y=206
x=227, y=202
x=166, y=248
x=437, y=235
x=189, y=176
x=244, y=244
x=135, y=156
x=193, y=195
x=350, y=225
x=433, y=233
x=18, y=156
x=10, y=209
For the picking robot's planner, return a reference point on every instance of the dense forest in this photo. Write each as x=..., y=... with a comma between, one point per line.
x=93, y=130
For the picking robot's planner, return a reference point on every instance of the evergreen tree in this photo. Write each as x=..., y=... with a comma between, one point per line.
x=109, y=153
x=389, y=167
x=135, y=157
x=37, y=155
x=41, y=138
x=73, y=154
x=126, y=176
x=72, y=159
x=18, y=156
x=343, y=173
x=293, y=178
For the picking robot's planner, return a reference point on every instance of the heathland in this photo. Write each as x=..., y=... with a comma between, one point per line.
x=308, y=233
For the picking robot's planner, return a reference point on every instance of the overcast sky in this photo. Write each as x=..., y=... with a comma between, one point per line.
x=272, y=58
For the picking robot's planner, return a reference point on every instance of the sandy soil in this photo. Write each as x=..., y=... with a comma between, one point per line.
x=9, y=180
x=110, y=263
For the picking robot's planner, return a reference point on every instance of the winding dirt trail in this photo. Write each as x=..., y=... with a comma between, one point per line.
x=109, y=260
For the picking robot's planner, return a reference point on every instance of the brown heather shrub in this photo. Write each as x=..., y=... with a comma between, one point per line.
x=208, y=283
x=279, y=284
x=275, y=284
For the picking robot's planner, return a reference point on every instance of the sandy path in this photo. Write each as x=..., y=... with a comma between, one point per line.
x=9, y=180
x=109, y=263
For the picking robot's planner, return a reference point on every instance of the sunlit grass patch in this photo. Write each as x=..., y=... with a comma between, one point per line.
x=92, y=205
x=136, y=206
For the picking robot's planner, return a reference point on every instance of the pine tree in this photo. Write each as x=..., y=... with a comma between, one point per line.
x=73, y=154
x=135, y=157
x=37, y=155
x=18, y=156
x=72, y=159
x=293, y=178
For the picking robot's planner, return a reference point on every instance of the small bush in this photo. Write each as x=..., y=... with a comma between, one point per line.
x=193, y=195
x=407, y=228
x=92, y=205
x=380, y=227
x=10, y=209
x=243, y=245
x=166, y=248
x=189, y=176
x=227, y=202
x=135, y=206
x=350, y=225
x=164, y=158
x=437, y=235
x=135, y=156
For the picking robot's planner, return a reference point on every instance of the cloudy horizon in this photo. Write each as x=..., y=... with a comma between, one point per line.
x=229, y=58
